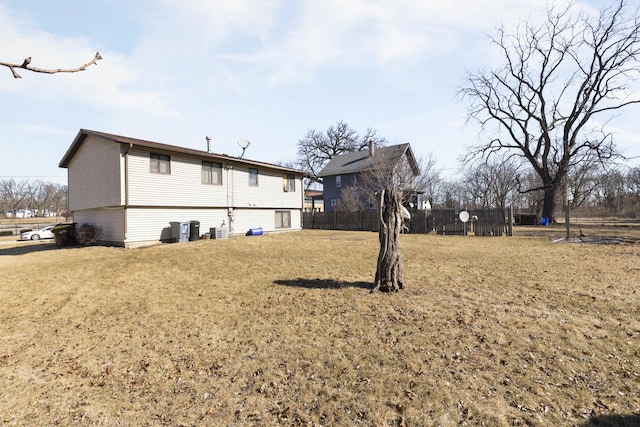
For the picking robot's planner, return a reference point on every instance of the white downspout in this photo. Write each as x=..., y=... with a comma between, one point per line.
x=230, y=198
x=126, y=190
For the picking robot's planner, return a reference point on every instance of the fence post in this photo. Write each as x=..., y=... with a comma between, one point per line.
x=510, y=220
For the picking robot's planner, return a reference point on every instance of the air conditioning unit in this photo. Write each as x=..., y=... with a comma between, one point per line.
x=218, y=232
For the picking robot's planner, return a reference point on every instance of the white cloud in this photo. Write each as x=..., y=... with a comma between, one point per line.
x=261, y=69
x=42, y=129
x=110, y=83
x=333, y=34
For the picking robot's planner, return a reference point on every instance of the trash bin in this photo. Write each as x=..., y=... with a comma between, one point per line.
x=64, y=234
x=180, y=231
x=194, y=230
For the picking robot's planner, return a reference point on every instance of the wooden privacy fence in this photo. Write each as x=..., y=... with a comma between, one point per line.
x=482, y=222
x=338, y=220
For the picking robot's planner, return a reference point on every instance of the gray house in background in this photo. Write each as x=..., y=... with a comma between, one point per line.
x=345, y=175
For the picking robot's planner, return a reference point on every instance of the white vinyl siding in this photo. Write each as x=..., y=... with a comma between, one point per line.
x=183, y=187
x=110, y=221
x=244, y=219
x=94, y=175
x=154, y=224
x=268, y=195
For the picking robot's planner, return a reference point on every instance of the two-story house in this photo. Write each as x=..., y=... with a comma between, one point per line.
x=349, y=180
x=134, y=189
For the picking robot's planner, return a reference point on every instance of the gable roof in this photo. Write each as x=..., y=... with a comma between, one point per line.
x=360, y=161
x=165, y=148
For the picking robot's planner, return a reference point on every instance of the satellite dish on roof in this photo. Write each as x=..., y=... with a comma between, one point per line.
x=244, y=144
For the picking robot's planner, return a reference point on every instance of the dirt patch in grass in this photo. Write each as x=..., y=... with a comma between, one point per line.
x=281, y=330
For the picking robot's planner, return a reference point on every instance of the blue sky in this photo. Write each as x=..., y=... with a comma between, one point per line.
x=263, y=70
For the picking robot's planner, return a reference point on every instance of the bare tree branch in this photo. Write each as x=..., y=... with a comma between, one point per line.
x=317, y=148
x=26, y=66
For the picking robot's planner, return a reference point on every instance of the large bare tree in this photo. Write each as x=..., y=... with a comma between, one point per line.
x=317, y=148
x=560, y=81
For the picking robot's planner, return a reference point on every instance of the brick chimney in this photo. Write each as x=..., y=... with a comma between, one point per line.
x=372, y=148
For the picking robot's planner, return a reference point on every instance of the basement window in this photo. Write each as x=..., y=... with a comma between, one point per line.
x=283, y=219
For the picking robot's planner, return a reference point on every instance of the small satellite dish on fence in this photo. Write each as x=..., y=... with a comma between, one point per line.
x=464, y=217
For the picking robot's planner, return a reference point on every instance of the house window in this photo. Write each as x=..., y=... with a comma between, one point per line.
x=253, y=176
x=160, y=163
x=338, y=181
x=211, y=173
x=289, y=182
x=283, y=219
x=333, y=203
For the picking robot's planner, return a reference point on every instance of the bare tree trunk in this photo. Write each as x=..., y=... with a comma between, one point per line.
x=549, y=203
x=389, y=269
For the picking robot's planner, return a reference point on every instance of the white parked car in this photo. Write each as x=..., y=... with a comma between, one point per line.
x=43, y=233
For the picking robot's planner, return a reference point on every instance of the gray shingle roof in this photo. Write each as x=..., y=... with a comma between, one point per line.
x=360, y=161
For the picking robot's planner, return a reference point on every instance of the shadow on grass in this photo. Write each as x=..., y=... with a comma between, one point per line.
x=27, y=249
x=613, y=421
x=322, y=284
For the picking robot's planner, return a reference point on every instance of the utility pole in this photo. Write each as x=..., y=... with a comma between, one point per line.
x=566, y=208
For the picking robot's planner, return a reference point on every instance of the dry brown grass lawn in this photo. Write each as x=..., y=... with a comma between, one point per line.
x=281, y=330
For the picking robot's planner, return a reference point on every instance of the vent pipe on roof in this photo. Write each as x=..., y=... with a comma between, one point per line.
x=208, y=138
